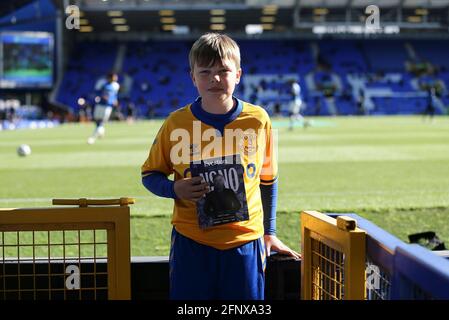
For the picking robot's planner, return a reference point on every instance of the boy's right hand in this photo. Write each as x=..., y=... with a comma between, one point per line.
x=192, y=189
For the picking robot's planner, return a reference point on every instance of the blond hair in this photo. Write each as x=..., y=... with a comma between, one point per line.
x=211, y=48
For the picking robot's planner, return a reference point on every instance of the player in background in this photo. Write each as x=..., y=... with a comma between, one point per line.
x=431, y=101
x=296, y=104
x=227, y=260
x=108, y=100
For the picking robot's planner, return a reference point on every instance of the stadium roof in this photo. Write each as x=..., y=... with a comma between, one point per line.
x=380, y=3
x=196, y=16
x=10, y=6
x=280, y=3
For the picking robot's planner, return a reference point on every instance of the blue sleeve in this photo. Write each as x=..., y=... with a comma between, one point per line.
x=160, y=185
x=269, y=195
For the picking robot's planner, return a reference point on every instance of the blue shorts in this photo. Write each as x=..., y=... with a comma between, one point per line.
x=200, y=272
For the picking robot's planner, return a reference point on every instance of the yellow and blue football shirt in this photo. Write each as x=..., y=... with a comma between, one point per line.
x=191, y=134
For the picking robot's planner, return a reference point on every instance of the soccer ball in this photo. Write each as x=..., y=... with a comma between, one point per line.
x=24, y=150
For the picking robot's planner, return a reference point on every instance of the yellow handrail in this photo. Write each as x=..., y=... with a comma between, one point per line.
x=84, y=202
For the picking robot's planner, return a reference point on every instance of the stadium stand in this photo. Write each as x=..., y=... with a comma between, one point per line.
x=160, y=72
x=159, y=75
x=334, y=72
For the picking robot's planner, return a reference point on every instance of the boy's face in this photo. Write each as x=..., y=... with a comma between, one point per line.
x=216, y=83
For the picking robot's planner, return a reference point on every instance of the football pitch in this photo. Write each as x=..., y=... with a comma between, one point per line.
x=393, y=171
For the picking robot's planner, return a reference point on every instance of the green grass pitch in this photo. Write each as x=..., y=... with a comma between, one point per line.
x=392, y=170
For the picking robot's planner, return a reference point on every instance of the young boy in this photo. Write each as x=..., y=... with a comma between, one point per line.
x=223, y=256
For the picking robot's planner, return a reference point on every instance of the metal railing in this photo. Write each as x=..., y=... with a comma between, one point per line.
x=66, y=253
x=385, y=268
x=333, y=253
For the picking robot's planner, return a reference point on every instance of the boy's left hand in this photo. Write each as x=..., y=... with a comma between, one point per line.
x=273, y=243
